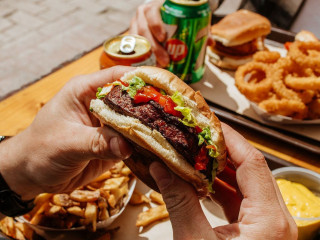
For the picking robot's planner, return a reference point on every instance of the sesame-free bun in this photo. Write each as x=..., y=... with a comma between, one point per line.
x=149, y=145
x=240, y=27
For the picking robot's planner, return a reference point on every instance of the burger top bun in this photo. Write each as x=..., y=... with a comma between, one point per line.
x=149, y=145
x=240, y=27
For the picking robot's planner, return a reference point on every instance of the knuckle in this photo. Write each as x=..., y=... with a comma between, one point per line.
x=176, y=199
x=258, y=158
x=99, y=145
x=284, y=229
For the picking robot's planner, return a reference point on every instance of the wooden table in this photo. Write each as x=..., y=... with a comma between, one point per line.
x=18, y=111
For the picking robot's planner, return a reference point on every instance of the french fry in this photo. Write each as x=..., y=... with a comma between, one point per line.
x=19, y=235
x=91, y=216
x=118, y=193
x=37, y=217
x=125, y=171
x=85, y=195
x=112, y=201
x=38, y=202
x=117, y=167
x=77, y=211
x=103, y=176
x=103, y=211
x=114, y=183
x=11, y=231
x=62, y=200
x=152, y=215
x=24, y=229
x=156, y=198
x=55, y=210
x=138, y=198
x=115, y=210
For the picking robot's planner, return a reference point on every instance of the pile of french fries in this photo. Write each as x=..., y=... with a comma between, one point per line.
x=85, y=206
x=153, y=214
x=15, y=230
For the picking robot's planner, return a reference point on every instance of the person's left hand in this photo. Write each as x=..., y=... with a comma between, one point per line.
x=64, y=147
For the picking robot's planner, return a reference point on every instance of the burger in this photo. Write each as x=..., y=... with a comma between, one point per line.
x=235, y=38
x=165, y=120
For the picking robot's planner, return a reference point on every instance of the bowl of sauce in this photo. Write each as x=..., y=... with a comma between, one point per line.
x=300, y=189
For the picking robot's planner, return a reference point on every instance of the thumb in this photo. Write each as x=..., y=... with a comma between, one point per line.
x=103, y=143
x=182, y=204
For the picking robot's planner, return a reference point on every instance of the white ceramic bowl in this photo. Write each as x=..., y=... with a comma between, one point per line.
x=307, y=227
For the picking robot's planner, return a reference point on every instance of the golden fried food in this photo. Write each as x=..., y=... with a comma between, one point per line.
x=138, y=198
x=306, y=54
x=314, y=109
x=156, y=198
x=255, y=88
x=86, y=206
x=152, y=215
x=266, y=57
x=290, y=85
x=285, y=107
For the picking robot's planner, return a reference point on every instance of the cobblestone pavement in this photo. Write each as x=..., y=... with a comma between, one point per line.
x=38, y=35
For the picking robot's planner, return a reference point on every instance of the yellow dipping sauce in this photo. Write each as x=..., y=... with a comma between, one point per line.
x=301, y=202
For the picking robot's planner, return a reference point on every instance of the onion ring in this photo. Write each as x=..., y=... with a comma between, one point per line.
x=256, y=90
x=280, y=71
x=314, y=109
x=306, y=54
x=286, y=107
x=303, y=83
x=307, y=96
x=266, y=57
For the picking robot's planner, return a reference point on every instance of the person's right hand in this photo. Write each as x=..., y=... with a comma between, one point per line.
x=262, y=214
x=148, y=23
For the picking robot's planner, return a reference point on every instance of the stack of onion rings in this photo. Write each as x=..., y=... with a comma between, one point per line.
x=289, y=86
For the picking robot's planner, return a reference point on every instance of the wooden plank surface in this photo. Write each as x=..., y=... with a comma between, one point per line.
x=18, y=111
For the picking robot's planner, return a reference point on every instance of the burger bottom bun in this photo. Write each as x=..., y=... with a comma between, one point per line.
x=226, y=61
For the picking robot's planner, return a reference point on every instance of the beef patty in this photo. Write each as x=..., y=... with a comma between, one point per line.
x=183, y=138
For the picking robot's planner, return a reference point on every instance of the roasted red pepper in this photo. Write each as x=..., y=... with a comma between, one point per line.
x=287, y=45
x=150, y=93
x=198, y=129
x=201, y=159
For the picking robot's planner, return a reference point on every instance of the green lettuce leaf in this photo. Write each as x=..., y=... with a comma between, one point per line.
x=98, y=95
x=188, y=118
x=135, y=84
x=213, y=175
x=178, y=99
x=205, y=137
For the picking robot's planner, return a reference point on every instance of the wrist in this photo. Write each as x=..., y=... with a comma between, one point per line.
x=14, y=167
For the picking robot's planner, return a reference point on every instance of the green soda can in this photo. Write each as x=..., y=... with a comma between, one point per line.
x=187, y=25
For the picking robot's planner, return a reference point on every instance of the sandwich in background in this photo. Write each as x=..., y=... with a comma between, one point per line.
x=235, y=38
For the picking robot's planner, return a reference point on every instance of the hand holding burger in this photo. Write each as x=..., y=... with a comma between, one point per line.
x=263, y=214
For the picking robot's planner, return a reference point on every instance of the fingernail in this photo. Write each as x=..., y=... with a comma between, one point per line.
x=115, y=147
x=160, y=174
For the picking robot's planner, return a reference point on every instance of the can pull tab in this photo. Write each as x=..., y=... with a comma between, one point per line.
x=127, y=44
